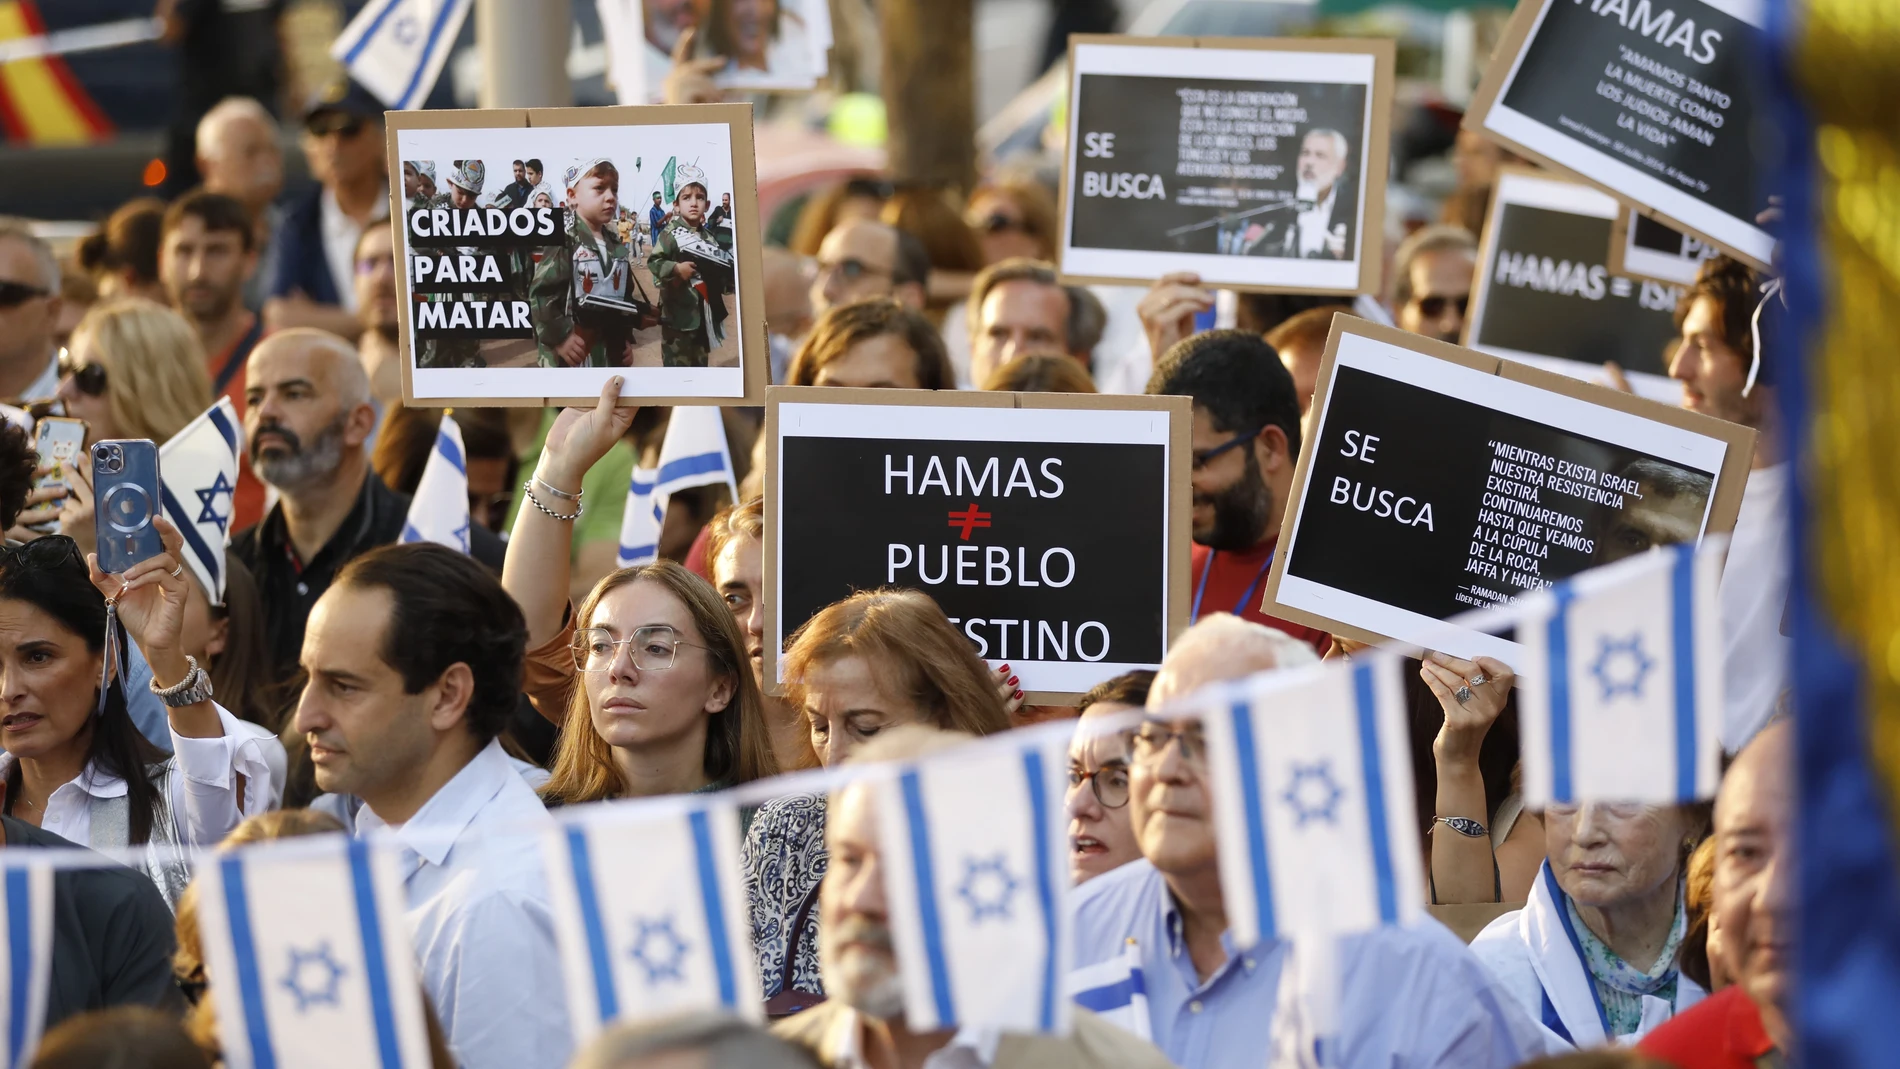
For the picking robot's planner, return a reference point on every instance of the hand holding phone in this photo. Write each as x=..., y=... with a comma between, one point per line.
x=126, y=494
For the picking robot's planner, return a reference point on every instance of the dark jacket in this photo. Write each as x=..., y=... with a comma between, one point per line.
x=298, y=260
x=112, y=935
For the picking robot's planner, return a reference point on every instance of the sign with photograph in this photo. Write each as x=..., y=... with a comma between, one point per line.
x=1543, y=294
x=767, y=44
x=1641, y=247
x=1653, y=100
x=544, y=251
x=1258, y=163
x=1051, y=528
x=1438, y=481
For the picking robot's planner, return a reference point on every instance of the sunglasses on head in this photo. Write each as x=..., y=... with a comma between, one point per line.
x=14, y=294
x=325, y=123
x=50, y=551
x=1433, y=307
x=89, y=379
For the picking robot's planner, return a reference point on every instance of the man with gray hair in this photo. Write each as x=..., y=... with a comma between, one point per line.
x=1410, y=998
x=29, y=314
x=1020, y=308
x=1323, y=221
x=307, y=424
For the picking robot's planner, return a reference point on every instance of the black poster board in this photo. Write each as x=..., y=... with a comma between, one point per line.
x=1646, y=248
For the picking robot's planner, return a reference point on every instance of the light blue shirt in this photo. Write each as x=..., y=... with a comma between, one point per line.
x=1411, y=997
x=478, y=906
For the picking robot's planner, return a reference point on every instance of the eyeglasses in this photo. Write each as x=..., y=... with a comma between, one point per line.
x=998, y=223
x=324, y=123
x=1152, y=738
x=89, y=379
x=1204, y=457
x=852, y=268
x=1109, y=783
x=14, y=294
x=369, y=265
x=653, y=648
x=1433, y=307
x=49, y=551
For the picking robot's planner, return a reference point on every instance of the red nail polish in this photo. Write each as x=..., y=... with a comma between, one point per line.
x=1003, y=669
x=1018, y=695
x=1012, y=681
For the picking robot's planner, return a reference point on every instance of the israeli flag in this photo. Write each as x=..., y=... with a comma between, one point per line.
x=307, y=947
x=26, y=912
x=1115, y=990
x=396, y=48
x=200, y=466
x=977, y=882
x=1312, y=793
x=1620, y=689
x=439, y=511
x=650, y=912
x=694, y=453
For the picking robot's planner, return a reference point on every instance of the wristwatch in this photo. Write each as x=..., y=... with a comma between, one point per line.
x=194, y=688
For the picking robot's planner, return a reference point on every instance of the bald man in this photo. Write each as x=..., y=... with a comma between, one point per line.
x=862, y=258
x=241, y=155
x=307, y=422
x=1410, y=998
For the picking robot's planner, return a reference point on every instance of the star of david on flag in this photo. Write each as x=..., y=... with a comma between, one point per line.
x=1312, y=789
x=439, y=511
x=306, y=943
x=26, y=915
x=650, y=912
x=1620, y=692
x=198, y=468
x=976, y=877
x=694, y=453
x=396, y=48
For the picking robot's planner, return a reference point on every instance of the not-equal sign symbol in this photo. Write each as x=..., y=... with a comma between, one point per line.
x=1619, y=287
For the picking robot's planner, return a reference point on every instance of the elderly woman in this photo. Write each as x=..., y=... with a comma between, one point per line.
x=1592, y=955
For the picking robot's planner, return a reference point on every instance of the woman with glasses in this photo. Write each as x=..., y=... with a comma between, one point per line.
x=75, y=765
x=1101, y=835
x=1014, y=217
x=135, y=369
x=876, y=343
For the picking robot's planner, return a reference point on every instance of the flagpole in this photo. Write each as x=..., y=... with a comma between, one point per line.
x=524, y=46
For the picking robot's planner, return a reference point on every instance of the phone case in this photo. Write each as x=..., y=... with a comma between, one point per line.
x=127, y=500
x=58, y=439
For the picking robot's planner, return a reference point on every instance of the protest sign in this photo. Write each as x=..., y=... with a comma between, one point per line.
x=1652, y=100
x=544, y=251
x=1544, y=296
x=1258, y=163
x=1051, y=528
x=1641, y=247
x=1437, y=480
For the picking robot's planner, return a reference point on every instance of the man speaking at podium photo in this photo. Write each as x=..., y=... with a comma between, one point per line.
x=1321, y=220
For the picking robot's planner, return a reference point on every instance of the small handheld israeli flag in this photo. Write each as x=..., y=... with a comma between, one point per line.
x=1115, y=990
x=1313, y=809
x=200, y=466
x=26, y=912
x=439, y=511
x=977, y=882
x=694, y=453
x=396, y=48
x=307, y=946
x=650, y=912
x=1620, y=692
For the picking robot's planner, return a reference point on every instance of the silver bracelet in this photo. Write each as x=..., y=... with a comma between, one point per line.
x=1464, y=826
x=557, y=491
x=528, y=489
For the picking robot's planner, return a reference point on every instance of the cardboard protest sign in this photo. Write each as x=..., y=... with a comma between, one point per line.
x=544, y=251
x=1652, y=100
x=1258, y=163
x=1544, y=296
x=1641, y=247
x=1051, y=528
x=1438, y=480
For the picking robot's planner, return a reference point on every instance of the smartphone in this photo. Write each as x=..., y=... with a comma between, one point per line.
x=58, y=439
x=125, y=490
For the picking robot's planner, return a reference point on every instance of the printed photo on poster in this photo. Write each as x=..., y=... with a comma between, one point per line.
x=1438, y=481
x=539, y=260
x=1544, y=294
x=974, y=504
x=1641, y=247
x=1259, y=164
x=767, y=44
x=1652, y=101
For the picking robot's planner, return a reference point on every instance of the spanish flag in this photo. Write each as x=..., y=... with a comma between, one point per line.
x=41, y=103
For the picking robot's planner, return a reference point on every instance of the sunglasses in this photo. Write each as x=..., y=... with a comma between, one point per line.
x=50, y=551
x=89, y=379
x=14, y=294
x=852, y=269
x=325, y=123
x=1000, y=224
x=1433, y=307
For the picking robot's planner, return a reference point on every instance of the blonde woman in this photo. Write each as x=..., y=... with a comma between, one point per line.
x=134, y=369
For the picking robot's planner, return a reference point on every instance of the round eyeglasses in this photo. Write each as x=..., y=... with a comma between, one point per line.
x=653, y=648
x=1109, y=783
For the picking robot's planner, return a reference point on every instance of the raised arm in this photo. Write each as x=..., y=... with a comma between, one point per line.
x=1464, y=867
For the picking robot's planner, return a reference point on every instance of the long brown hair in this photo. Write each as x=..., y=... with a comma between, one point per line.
x=846, y=325
x=911, y=647
x=738, y=746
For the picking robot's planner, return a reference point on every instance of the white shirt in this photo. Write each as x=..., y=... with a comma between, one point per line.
x=970, y=1048
x=46, y=386
x=788, y=62
x=478, y=907
x=1313, y=223
x=1754, y=597
x=340, y=233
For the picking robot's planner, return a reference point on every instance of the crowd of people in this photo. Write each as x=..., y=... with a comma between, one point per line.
x=342, y=682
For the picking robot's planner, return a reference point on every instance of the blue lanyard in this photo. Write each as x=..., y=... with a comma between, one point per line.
x=1240, y=607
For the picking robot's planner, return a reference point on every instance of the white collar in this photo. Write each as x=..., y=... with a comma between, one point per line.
x=848, y=1049
x=91, y=780
x=432, y=832
x=47, y=385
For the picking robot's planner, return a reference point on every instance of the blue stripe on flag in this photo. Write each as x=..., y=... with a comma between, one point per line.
x=409, y=533
x=1113, y=996
x=1256, y=812
x=583, y=866
x=686, y=467
x=349, y=58
x=369, y=922
x=19, y=961
x=237, y=912
x=1682, y=613
x=213, y=562
x=636, y=554
x=451, y=452
x=927, y=897
x=442, y=11
x=1373, y=769
x=1557, y=666
x=636, y=488
x=715, y=909
x=1045, y=883
x=229, y=432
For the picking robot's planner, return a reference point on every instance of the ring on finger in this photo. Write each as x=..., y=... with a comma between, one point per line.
x=1463, y=694
x=178, y=571
x=1478, y=680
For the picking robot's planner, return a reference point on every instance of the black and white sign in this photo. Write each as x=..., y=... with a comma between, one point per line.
x=1641, y=247
x=1047, y=535
x=1258, y=164
x=1438, y=481
x=1651, y=99
x=1545, y=296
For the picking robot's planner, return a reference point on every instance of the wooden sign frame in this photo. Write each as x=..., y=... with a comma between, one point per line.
x=747, y=238
x=1179, y=411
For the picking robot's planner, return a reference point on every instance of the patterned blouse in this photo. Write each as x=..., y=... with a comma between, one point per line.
x=784, y=862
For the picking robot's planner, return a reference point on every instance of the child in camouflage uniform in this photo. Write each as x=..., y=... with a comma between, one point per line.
x=595, y=260
x=692, y=306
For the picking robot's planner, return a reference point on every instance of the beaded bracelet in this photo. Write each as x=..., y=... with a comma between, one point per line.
x=528, y=489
